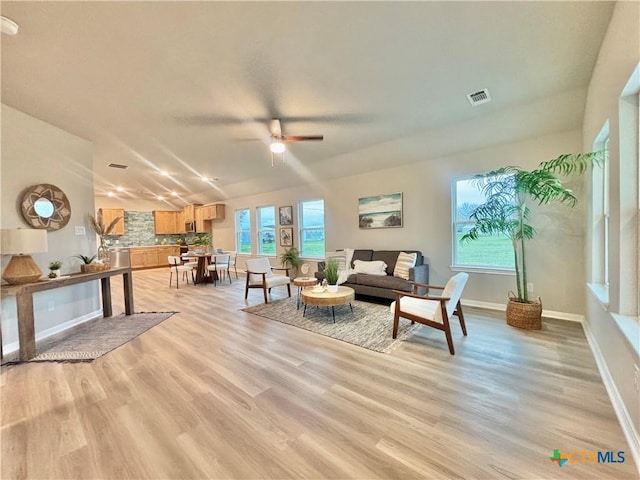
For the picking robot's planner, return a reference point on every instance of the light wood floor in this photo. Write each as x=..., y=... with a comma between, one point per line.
x=214, y=392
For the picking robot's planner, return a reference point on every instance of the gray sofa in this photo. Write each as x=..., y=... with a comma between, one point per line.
x=382, y=285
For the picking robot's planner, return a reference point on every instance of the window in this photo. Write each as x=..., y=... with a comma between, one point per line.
x=243, y=231
x=266, y=221
x=605, y=211
x=600, y=213
x=312, y=229
x=490, y=251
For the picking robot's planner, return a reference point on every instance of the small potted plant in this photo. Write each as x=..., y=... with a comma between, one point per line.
x=87, y=265
x=54, y=269
x=331, y=274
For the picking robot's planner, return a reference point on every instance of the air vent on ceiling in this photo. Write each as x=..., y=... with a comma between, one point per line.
x=117, y=165
x=479, y=97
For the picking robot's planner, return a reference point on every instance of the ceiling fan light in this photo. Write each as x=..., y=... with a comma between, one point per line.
x=277, y=147
x=8, y=26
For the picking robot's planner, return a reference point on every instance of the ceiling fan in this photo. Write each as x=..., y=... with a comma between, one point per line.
x=278, y=139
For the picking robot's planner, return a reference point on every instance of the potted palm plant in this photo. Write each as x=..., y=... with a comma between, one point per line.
x=508, y=192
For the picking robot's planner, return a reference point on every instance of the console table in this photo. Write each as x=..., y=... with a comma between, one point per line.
x=24, y=301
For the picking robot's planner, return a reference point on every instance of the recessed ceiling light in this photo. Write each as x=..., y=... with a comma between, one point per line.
x=164, y=173
x=204, y=179
x=160, y=197
x=175, y=194
x=120, y=189
x=110, y=194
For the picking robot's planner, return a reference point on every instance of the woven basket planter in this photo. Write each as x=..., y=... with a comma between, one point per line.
x=524, y=315
x=94, y=267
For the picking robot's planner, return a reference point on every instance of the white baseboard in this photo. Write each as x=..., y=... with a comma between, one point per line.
x=15, y=346
x=626, y=422
x=572, y=317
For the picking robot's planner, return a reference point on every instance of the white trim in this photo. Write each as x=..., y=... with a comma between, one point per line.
x=630, y=328
x=626, y=422
x=571, y=317
x=476, y=269
x=15, y=346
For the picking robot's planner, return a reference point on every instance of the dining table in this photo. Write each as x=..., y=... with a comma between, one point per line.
x=202, y=274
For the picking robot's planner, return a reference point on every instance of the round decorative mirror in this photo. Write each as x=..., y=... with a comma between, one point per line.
x=45, y=206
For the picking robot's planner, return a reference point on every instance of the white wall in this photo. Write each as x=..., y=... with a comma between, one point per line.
x=35, y=152
x=556, y=263
x=618, y=58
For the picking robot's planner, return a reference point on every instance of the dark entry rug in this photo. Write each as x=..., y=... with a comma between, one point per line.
x=369, y=325
x=97, y=338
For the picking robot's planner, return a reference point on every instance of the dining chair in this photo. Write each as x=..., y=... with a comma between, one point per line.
x=260, y=275
x=432, y=310
x=233, y=257
x=219, y=265
x=176, y=266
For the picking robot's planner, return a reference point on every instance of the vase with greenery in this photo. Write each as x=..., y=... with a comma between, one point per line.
x=102, y=230
x=87, y=263
x=203, y=240
x=508, y=192
x=331, y=273
x=291, y=258
x=54, y=269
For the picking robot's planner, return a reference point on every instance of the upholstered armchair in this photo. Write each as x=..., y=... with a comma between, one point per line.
x=432, y=310
x=260, y=275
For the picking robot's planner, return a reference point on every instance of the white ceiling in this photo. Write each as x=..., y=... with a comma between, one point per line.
x=189, y=87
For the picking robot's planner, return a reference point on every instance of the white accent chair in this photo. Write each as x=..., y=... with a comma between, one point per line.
x=260, y=275
x=176, y=266
x=220, y=265
x=432, y=310
x=233, y=258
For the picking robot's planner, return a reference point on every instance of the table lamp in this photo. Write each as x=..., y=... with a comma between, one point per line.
x=21, y=242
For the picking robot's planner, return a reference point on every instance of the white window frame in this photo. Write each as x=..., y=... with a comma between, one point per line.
x=301, y=232
x=260, y=230
x=240, y=232
x=460, y=267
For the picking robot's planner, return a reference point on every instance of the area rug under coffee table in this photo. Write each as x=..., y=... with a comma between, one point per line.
x=368, y=326
x=98, y=337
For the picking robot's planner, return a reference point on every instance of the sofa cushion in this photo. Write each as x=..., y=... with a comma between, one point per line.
x=364, y=255
x=339, y=256
x=372, y=268
x=404, y=263
x=386, y=281
x=387, y=256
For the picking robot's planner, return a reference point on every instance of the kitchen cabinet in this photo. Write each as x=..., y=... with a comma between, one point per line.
x=109, y=215
x=213, y=211
x=166, y=222
x=151, y=257
x=200, y=223
x=189, y=212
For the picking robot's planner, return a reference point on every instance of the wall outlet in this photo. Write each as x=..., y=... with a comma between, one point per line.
x=51, y=306
x=530, y=287
x=636, y=377
x=80, y=231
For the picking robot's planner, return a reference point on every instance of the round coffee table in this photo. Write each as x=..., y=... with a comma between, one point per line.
x=302, y=282
x=343, y=296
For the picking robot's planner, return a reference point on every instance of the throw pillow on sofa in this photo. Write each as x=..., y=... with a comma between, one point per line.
x=405, y=262
x=340, y=257
x=377, y=267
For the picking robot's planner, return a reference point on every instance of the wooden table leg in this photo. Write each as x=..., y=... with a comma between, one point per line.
x=26, y=327
x=107, y=308
x=127, y=281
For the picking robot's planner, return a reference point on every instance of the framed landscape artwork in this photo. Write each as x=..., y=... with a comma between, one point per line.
x=286, y=237
x=286, y=215
x=381, y=211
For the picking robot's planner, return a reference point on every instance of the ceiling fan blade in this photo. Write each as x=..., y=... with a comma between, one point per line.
x=275, y=127
x=302, y=138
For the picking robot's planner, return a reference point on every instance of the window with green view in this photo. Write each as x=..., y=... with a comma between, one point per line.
x=311, y=223
x=266, y=222
x=491, y=251
x=243, y=231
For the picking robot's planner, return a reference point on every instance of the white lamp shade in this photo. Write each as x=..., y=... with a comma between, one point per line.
x=15, y=241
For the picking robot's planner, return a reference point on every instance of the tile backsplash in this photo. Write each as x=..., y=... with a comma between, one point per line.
x=139, y=231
